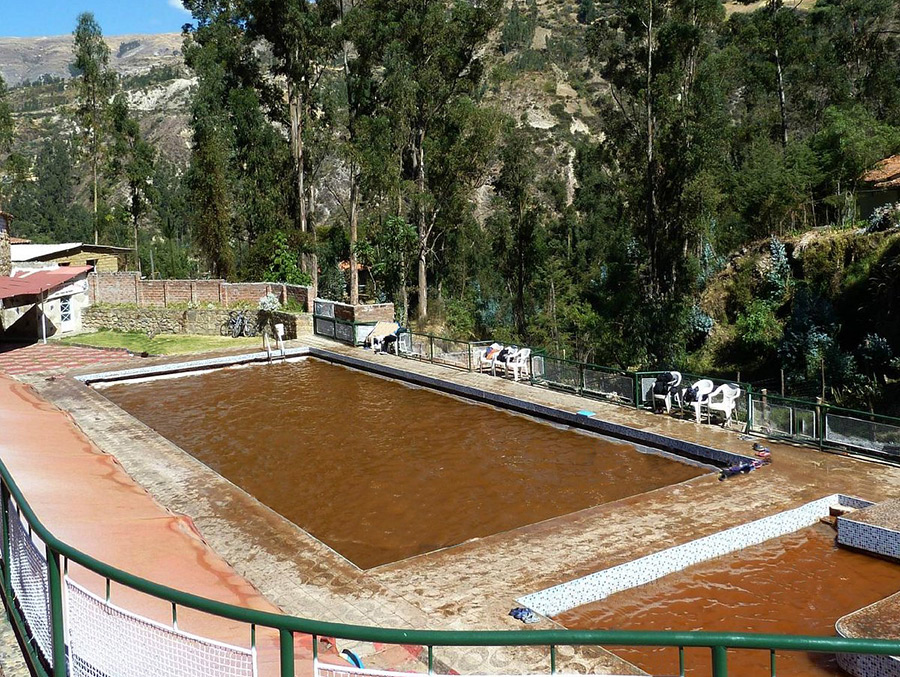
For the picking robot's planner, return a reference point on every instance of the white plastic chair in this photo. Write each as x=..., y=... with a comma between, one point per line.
x=502, y=360
x=723, y=400
x=666, y=399
x=519, y=362
x=485, y=362
x=704, y=388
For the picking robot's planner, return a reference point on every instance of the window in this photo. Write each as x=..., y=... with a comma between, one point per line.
x=65, y=309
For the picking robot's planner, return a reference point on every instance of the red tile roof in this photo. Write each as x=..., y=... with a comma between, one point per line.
x=34, y=283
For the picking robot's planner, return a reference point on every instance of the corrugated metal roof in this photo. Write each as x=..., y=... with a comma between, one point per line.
x=30, y=252
x=36, y=282
x=34, y=252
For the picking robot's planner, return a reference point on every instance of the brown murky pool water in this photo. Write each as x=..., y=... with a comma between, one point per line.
x=381, y=471
x=798, y=584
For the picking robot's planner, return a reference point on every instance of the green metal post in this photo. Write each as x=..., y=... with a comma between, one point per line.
x=4, y=496
x=749, y=410
x=772, y=661
x=57, y=632
x=430, y=659
x=287, y=652
x=552, y=659
x=821, y=414
x=637, y=391
x=681, y=661
x=719, y=661
x=315, y=643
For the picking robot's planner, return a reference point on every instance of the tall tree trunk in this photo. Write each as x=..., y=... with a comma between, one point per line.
x=781, y=99
x=137, y=255
x=96, y=224
x=520, y=275
x=309, y=261
x=420, y=225
x=354, y=177
x=295, y=106
x=354, y=222
x=652, y=235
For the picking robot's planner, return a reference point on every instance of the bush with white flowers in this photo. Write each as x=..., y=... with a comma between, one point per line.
x=269, y=303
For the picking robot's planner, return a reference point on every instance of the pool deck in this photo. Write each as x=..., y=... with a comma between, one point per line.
x=475, y=584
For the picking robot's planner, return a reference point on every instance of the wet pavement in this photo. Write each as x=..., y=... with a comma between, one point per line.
x=472, y=585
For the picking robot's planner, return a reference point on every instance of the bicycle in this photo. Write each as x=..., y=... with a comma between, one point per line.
x=240, y=323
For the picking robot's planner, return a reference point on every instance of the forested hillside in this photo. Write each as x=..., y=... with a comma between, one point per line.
x=638, y=183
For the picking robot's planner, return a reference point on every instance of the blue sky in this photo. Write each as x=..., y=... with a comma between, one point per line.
x=28, y=18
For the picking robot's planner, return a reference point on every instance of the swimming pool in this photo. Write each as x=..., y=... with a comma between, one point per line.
x=800, y=583
x=381, y=471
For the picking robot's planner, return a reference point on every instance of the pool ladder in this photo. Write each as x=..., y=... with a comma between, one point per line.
x=279, y=342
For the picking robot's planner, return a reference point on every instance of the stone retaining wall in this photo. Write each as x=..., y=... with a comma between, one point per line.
x=5, y=257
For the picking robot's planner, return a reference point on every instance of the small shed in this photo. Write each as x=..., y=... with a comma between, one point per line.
x=38, y=303
x=103, y=258
x=880, y=186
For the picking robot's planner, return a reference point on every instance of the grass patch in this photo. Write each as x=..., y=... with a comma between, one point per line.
x=161, y=344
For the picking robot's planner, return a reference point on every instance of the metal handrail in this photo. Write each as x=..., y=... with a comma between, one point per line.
x=287, y=625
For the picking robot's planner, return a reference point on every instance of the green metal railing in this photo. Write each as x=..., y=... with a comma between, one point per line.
x=441, y=350
x=60, y=554
x=583, y=378
x=771, y=416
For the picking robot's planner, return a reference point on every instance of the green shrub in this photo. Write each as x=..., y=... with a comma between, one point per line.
x=759, y=330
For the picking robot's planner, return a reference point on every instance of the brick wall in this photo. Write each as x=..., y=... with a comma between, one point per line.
x=128, y=288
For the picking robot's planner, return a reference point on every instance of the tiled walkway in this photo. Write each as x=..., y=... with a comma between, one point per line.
x=55, y=358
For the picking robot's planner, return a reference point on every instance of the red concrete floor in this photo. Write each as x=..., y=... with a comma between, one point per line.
x=32, y=358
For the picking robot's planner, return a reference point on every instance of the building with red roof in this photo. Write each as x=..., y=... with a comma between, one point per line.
x=40, y=302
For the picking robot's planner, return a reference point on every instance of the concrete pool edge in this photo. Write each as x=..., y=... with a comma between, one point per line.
x=866, y=535
x=601, y=584
x=666, y=444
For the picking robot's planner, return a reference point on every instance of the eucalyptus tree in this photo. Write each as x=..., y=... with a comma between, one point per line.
x=664, y=121
x=212, y=47
x=133, y=159
x=96, y=85
x=239, y=174
x=430, y=59
x=302, y=38
x=517, y=220
x=6, y=124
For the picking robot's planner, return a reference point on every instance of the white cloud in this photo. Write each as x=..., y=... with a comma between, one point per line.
x=176, y=4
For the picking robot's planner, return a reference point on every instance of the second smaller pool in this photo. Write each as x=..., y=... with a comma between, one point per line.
x=798, y=584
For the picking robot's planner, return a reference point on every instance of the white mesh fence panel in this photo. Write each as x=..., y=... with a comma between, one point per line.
x=28, y=571
x=106, y=641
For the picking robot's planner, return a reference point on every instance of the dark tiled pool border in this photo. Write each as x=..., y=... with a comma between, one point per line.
x=683, y=448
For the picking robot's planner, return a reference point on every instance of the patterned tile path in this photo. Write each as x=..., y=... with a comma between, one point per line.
x=31, y=358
